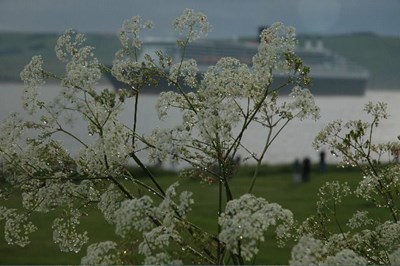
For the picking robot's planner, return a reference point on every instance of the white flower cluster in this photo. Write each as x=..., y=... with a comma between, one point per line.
x=126, y=69
x=82, y=69
x=129, y=34
x=367, y=187
x=169, y=143
x=126, y=66
x=303, y=104
x=134, y=214
x=158, y=239
x=100, y=254
x=158, y=224
x=186, y=70
x=359, y=219
x=300, y=105
x=331, y=193
x=246, y=220
x=311, y=251
x=377, y=246
x=229, y=77
x=11, y=130
x=161, y=259
x=65, y=232
x=110, y=151
x=395, y=257
x=308, y=251
x=68, y=43
x=17, y=227
x=378, y=110
x=192, y=24
x=230, y=94
x=388, y=235
x=345, y=257
x=210, y=114
x=46, y=196
x=275, y=42
x=219, y=106
x=43, y=173
x=33, y=77
x=110, y=201
x=380, y=187
x=353, y=138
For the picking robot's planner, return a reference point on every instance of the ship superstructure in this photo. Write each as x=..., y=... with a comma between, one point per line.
x=331, y=73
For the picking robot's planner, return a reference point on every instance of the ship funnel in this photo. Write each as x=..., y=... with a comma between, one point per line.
x=319, y=46
x=308, y=45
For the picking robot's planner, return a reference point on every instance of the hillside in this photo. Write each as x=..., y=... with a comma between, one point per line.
x=380, y=55
x=16, y=50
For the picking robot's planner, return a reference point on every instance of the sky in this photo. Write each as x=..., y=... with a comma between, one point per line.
x=229, y=18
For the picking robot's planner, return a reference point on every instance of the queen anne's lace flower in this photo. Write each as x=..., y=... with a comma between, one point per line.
x=186, y=70
x=11, y=130
x=245, y=221
x=331, y=193
x=110, y=201
x=345, y=257
x=17, y=227
x=100, y=254
x=359, y=219
x=389, y=234
x=129, y=34
x=275, y=42
x=157, y=223
x=134, y=214
x=303, y=104
x=33, y=76
x=65, y=232
x=110, y=152
x=308, y=251
x=158, y=238
x=125, y=70
x=229, y=77
x=395, y=257
x=161, y=259
x=68, y=43
x=46, y=196
x=229, y=95
x=192, y=24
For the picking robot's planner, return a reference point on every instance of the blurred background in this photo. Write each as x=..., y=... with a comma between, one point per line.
x=352, y=47
x=356, y=40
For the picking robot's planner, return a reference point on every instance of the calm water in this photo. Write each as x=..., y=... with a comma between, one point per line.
x=294, y=142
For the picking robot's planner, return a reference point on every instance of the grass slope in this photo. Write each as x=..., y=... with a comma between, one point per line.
x=275, y=184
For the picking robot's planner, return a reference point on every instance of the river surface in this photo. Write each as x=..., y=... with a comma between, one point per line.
x=293, y=143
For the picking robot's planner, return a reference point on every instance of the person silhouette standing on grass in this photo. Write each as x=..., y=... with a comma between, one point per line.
x=322, y=163
x=297, y=172
x=305, y=173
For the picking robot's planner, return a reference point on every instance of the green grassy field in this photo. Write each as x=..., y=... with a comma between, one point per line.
x=274, y=183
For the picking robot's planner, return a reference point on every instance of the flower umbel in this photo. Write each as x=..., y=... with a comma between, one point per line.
x=245, y=221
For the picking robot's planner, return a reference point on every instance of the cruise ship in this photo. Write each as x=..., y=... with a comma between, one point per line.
x=331, y=73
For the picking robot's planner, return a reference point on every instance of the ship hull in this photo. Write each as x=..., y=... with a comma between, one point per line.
x=320, y=86
x=331, y=86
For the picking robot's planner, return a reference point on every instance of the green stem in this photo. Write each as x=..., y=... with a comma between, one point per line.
x=144, y=168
